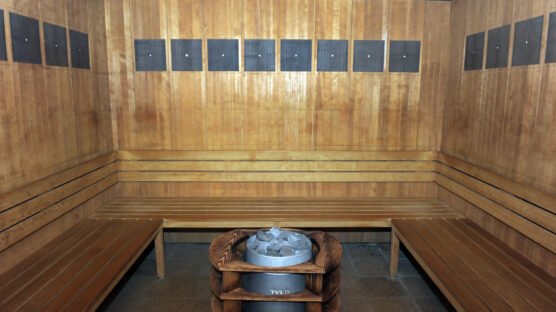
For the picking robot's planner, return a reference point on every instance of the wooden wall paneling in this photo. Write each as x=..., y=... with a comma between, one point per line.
x=369, y=19
x=149, y=19
x=524, y=9
x=476, y=15
x=500, y=13
x=185, y=19
x=28, y=7
x=406, y=20
x=223, y=18
x=297, y=19
x=333, y=19
x=434, y=77
x=261, y=19
x=78, y=18
x=54, y=11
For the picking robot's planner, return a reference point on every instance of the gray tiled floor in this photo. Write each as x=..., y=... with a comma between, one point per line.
x=366, y=285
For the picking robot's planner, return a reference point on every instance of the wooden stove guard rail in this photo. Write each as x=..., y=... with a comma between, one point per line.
x=322, y=273
x=474, y=270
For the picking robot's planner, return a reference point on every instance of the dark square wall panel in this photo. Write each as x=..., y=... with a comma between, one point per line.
x=551, y=45
x=79, y=45
x=150, y=55
x=260, y=55
x=332, y=55
x=368, y=56
x=55, y=45
x=474, y=49
x=3, y=54
x=295, y=55
x=497, y=47
x=223, y=54
x=26, y=45
x=527, y=42
x=187, y=54
x=404, y=56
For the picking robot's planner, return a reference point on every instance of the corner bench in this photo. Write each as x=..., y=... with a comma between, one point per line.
x=77, y=270
x=475, y=270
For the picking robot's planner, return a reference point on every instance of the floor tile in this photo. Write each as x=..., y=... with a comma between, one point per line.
x=383, y=287
x=393, y=304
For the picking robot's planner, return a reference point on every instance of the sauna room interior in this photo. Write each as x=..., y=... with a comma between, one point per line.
x=144, y=142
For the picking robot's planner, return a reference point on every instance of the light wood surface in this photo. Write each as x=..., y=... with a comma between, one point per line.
x=502, y=119
x=253, y=213
x=53, y=118
x=277, y=110
x=77, y=270
x=475, y=270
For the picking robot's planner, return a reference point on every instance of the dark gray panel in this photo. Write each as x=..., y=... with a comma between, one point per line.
x=26, y=45
x=260, y=55
x=55, y=45
x=3, y=54
x=332, y=55
x=295, y=55
x=404, y=56
x=551, y=45
x=368, y=55
x=474, y=49
x=79, y=46
x=497, y=47
x=527, y=42
x=187, y=54
x=223, y=54
x=150, y=55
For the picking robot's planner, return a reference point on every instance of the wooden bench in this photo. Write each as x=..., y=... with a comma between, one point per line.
x=475, y=270
x=77, y=270
x=52, y=257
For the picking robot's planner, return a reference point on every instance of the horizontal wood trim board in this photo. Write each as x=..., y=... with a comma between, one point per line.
x=529, y=229
x=249, y=165
x=134, y=176
x=277, y=155
x=35, y=205
x=17, y=196
x=536, y=214
x=20, y=230
x=528, y=193
x=226, y=224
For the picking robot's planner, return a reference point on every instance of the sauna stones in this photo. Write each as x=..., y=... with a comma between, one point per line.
x=278, y=243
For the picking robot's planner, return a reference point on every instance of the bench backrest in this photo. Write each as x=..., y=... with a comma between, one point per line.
x=525, y=209
x=173, y=166
x=27, y=209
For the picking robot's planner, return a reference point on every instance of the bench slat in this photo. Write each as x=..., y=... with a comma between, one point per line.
x=92, y=269
x=81, y=266
x=462, y=271
x=543, y=283
x=112, y=273
x=47, y=280
x=51, y=248
x=497, y=275
x=469, y=252
x=455, y=290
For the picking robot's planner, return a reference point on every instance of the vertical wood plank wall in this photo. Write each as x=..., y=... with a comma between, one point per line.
x=278, y=110
x=502, y=119
x=52, y=118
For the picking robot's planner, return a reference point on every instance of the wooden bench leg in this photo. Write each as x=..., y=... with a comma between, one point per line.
x=160, y=259
x=394, y=254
